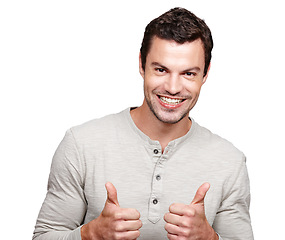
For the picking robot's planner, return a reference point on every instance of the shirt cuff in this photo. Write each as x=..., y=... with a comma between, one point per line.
x=220, y=238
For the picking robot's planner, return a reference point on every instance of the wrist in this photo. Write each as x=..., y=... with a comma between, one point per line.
x=211, y=233
x=83, y=232
x=88, y=231
x=215, y=236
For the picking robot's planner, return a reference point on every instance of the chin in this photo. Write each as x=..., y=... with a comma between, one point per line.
x=170, y=118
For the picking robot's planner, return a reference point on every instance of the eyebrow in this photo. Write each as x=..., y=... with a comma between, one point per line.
x=156, y=64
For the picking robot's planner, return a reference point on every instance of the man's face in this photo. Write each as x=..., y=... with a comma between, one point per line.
x=173, y=78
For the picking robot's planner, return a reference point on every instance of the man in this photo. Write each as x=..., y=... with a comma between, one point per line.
x=165, y=176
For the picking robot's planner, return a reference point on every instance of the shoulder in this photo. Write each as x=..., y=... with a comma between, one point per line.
x=213, y=140
x=217, y=147
x=99, y=127
x=221, y=158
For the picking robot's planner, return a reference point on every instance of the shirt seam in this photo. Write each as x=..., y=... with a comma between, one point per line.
x=82, y=178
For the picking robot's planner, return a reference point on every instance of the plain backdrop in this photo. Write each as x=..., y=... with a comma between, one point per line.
x=63, y=63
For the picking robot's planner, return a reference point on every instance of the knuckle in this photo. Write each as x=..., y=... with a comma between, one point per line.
x=185, y=232
x=117, y=227
x=117, y=236
x=190, y=212
x=136, y=213
x=137, y=234
x=140, y=224
x=186, y=222
x=169, y=236
x=193, y=212
x=166, y=215
x=118, y=215
x=172, y=207
x=132, y=212
x=166, y=226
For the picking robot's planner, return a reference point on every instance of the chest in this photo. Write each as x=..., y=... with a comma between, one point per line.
x=150, y=182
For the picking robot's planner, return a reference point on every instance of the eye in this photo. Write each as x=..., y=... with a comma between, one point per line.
x=190, y=74
x=160, y=70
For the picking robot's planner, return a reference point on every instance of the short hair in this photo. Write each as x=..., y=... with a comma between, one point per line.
x=182, y=26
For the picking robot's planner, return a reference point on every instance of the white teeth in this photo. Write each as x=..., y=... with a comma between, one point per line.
x=170, y=100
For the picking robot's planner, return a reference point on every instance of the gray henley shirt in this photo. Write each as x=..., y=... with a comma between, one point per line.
x=114, y=149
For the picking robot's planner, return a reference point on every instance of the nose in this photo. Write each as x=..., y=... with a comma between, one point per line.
x=173, y=84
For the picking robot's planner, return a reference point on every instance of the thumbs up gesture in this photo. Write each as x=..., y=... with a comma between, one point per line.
x=114, y=222
x=189, y=221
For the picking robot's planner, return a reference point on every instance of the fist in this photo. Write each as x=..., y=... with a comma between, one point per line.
x=114, y=222
x=189, y=221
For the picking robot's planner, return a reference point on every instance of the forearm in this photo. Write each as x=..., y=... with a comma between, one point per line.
x=59, y=235
x=233, y=218
x=64, y=207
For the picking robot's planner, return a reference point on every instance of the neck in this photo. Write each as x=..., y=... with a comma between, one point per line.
x=155, y=129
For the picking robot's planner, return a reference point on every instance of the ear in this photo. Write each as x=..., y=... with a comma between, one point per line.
x=206, y=76
x=140, y=66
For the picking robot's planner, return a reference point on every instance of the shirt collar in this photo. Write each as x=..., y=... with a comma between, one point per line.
x=151, y=142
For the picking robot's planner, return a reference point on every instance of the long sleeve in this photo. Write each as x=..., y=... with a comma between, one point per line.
x=64, y=207
x=233, y=220
x=113, y=149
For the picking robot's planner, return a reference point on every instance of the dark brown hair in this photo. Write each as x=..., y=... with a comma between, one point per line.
x=180, y=25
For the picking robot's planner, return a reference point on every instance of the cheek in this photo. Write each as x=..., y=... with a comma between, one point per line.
x=193, y=87
x=151, y=84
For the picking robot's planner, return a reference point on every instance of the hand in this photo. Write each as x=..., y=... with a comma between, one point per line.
x=189, y=221
x=114, y=222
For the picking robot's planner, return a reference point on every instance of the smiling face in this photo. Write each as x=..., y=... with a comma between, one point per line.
x=173, y=77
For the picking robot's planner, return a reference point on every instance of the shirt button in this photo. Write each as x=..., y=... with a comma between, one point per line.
x=155, y=151
x=155, y=201
x=158, y=177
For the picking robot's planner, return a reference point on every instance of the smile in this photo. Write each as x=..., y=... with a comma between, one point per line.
x=171, y=101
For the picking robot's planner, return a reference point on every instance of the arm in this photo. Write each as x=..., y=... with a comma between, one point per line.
x=233, y=220
x=64, y=207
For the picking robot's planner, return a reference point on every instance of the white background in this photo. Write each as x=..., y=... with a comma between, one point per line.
x=65, y=62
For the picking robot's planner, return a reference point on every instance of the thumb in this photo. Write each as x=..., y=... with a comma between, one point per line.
x=111, y=194
x=201, y=194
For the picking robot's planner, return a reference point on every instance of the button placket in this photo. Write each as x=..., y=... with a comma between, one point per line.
x=154, y=214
